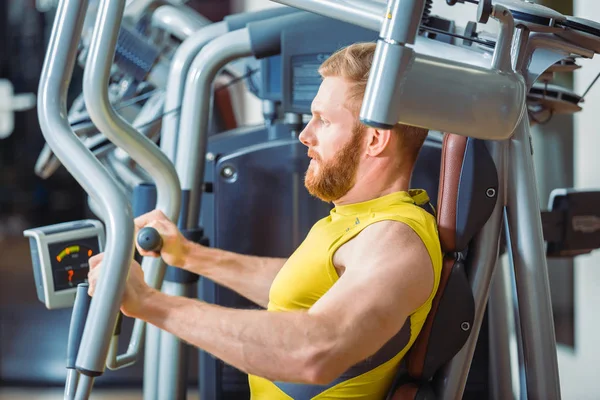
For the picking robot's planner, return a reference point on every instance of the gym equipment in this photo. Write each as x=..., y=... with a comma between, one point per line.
x=137, y=90
x=476, y=69
x=98, y=336
x=572, y=226
x=60, y=255
x=463, y=89
x=519, y=210
x=179, y=21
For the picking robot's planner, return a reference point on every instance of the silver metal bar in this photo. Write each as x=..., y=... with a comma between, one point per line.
x=142, y=150
x=343, y=11
x=151, y=362
x=180, y=65
x=172, y=368
x=195, y=111
x=89, y=173
x=180, y=22
x=71, y=384
x=393, y=57
x=531, y=270
x=502, y=55
x=504, y=354
x=84, y=388
x=450, y=382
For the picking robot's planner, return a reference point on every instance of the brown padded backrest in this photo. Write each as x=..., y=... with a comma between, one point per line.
x=466, y=198
x=453, y=150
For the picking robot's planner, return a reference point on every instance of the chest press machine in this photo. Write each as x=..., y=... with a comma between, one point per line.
x=478, y=187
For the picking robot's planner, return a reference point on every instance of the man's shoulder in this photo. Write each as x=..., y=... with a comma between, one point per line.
x=387, y=234
x=389, y=239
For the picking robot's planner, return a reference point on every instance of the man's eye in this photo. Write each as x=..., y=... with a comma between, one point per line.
x=324, y=122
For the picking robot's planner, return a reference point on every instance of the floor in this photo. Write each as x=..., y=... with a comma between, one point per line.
x=57, y=394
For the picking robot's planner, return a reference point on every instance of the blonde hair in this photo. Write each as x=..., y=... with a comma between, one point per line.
x=353, y=63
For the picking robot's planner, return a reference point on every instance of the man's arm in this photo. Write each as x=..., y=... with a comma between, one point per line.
x=250, y=276
x=389, y=276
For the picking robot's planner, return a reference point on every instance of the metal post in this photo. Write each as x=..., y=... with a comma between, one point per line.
x=531, y=270
x=195, y=111
x=503, y=346
x=393, y=58
x=179, y=68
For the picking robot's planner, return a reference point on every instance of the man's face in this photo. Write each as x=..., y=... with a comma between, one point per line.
x=335, y=142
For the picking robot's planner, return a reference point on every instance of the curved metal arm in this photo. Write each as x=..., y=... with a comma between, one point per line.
x=502, y=60
x=141, y=149
x=180, y=22
x=85, y=168
x=179, y=68
x=195, y=111
x=368, y=16
x=543, y=51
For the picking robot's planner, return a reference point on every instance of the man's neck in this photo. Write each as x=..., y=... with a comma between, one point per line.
x=375, y=185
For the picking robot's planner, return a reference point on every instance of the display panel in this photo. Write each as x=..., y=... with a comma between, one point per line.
x=69, y=260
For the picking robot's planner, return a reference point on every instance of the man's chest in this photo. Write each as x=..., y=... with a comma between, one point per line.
x=310, y=272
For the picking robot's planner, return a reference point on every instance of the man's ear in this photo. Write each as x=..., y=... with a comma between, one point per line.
x=378, y=141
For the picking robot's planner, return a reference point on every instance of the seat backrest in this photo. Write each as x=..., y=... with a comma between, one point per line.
x=468, y=186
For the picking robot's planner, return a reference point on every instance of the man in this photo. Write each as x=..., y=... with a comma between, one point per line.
x=346, y=306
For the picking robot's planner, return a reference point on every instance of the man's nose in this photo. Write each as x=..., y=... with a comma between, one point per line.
x=307, y=137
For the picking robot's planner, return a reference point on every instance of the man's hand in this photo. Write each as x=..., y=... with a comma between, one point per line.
x=175, y=247
x=136, y=289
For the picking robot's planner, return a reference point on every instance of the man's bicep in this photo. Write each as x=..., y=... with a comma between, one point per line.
x=390, y=276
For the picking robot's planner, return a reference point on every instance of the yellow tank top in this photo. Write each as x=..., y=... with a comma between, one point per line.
x=309, y=273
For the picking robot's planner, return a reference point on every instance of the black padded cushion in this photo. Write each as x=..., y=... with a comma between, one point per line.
x=448, y=324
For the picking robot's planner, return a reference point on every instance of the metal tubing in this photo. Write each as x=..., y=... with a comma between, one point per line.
x=504, y=353
x=71, y=384
x=84, y=388
x=89, y=173
x=531, y=270
x=401, y=22
x=502, y=55
x=151, y=362
x=450, y=382
x=393, y=58
x=179, y=69
x=195, y=111
x=343, y=11
x=172, y=368
x=180, y=22
x=142, y=150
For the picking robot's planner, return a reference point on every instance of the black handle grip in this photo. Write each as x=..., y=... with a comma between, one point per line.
x=78, y=318
x=149, y=239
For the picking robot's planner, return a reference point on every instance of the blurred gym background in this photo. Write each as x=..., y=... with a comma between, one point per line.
x=564, y=156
